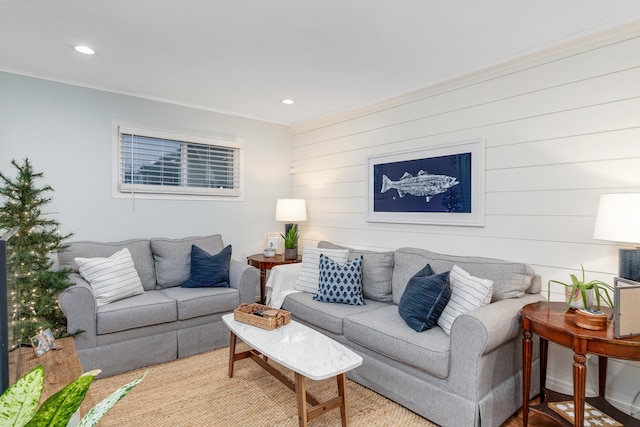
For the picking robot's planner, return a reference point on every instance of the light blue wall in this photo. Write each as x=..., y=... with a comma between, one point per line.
x=66, y=132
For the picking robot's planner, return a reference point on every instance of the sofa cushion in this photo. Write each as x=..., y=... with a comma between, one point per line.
x=208, y=271
x=467, y=293
x=383, y=331
x=510, y=279
x=112, y=278
x=322, y=315
x=139, y=249
x=172, y=257
x=307, y=280
x=196, y=302
x=340, y=283
x=377, y=270
x=424, y=298
x=150, y=308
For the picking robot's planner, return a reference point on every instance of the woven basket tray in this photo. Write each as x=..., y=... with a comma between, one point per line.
x=244, y=314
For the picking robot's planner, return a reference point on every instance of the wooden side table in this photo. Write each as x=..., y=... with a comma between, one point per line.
x=546, y=319
x=264, y=263
x=60, y=366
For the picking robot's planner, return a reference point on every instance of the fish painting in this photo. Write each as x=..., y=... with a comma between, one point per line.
x=423, y=184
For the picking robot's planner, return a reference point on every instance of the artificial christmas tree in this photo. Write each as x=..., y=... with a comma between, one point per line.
x=33, y=285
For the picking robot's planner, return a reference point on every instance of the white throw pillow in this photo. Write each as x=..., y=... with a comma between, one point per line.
x=467, y=293
x=112, y=278
x=308, y=277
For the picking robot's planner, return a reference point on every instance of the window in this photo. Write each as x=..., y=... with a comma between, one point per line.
x=162, y=164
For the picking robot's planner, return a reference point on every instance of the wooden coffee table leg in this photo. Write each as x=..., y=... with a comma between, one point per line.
x=301, y=398
x=232, y=353
x=342, y=392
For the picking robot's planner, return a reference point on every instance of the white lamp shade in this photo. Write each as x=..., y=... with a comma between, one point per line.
x=291, y=210
x=618, y=218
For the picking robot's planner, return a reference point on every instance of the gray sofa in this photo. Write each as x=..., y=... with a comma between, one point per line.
x=163, y=323
x=471, y=377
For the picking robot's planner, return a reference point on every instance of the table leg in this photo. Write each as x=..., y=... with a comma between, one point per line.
x=263, y=284
x=232, y=353
x=527, y=349
x=544, y=351
x=301, y=399
x=342, y=392
x=579, y=386
x=602, y=375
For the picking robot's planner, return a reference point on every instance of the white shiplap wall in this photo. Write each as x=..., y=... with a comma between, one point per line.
x=561, y=128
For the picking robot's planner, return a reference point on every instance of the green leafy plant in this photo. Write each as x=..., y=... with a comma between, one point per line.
x=19, y=402
x=291, y=238
x=598, y=287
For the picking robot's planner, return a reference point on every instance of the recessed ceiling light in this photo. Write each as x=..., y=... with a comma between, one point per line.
x=288, y=101
x=86, y=50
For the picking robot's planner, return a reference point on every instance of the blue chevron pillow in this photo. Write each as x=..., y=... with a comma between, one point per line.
x=340, y=283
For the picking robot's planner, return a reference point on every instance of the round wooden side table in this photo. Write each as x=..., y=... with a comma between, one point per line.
x=547, y=320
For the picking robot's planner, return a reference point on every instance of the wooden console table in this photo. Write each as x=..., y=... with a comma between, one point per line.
x=60, y=366
x=546, y=319
x=264, y=263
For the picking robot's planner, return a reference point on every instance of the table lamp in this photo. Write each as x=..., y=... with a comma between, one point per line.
x=290, y=211
x=618, y=220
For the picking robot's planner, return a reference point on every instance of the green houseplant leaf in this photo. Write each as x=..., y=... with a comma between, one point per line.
x=291, y=238
x=57, y=410
x=98, y=411
x=19, y=402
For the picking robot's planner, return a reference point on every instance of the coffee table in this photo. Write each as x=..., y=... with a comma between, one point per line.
x=307, y=352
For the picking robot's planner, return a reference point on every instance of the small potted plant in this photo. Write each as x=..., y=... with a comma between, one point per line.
x=291, y=243
x=579, y=294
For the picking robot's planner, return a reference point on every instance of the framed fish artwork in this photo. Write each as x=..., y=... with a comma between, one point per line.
x=441, y=185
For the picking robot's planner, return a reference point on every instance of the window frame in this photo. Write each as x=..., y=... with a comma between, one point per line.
x=167, y=192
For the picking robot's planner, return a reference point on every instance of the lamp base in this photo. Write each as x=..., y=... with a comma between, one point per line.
x=629, y=264
x=287, y=227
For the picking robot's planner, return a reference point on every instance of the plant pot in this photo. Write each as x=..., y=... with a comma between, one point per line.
x=291, y=253
x=575, y=300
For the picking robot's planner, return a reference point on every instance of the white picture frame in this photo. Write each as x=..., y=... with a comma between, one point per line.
x=441, y=185
x=272, y=240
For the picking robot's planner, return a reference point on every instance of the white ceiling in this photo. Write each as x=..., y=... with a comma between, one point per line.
x=243, y=56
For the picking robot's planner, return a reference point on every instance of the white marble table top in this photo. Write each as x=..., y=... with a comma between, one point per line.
x=298, y=347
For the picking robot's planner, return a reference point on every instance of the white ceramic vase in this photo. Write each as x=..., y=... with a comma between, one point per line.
x=575, y=300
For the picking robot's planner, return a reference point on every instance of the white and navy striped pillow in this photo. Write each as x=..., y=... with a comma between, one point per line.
x=112, y=278
x=467, y=293
x=308, y=277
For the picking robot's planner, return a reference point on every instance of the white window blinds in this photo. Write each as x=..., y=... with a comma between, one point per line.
x=158, y=162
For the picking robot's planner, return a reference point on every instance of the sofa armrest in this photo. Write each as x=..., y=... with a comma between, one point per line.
x=246, y=279
x=486, y=346
x=78, y=303
x=281, y=283
x=491, y=325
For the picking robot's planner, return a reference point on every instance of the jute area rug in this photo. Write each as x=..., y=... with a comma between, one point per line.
x=196, y=391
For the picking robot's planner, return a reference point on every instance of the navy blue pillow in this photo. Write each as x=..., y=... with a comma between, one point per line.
x=340, y=283
x=209, y=271
x=424, y=299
